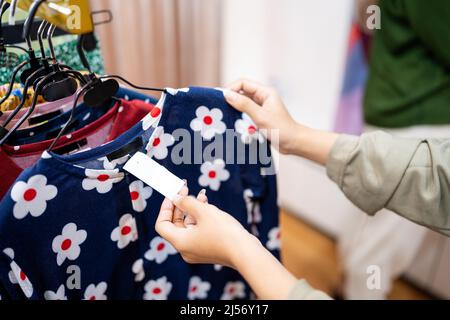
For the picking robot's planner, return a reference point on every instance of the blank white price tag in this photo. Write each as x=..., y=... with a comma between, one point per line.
x=156, y=176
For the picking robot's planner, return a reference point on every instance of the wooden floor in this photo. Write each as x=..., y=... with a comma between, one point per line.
x=311, y=255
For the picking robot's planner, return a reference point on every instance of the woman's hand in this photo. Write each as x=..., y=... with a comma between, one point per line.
x=265, y=107
x=202, y=233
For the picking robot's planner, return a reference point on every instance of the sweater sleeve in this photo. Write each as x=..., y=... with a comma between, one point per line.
x=303, y=291
x=408, y=176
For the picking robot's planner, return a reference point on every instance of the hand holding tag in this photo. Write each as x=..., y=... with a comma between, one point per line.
x=153, y=174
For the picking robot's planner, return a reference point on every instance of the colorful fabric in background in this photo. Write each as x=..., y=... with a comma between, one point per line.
x=66, y=53
x=84, y=210
x=16, y=96
x=349, y=118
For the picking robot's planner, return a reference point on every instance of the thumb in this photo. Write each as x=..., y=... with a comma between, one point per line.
x=242, y=103
x=191, y=206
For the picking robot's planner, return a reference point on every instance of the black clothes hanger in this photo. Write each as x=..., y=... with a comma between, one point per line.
x=72, y=73
x=39, y=73
x=61, y=86
x=53, y=81
x=98, y=89
x=4, y=6
x=25, y=91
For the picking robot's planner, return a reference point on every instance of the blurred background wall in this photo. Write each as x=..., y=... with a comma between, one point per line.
x=160, y=43
x=298, y=47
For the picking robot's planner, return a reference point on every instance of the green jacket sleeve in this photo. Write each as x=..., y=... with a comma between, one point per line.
x=408, y=176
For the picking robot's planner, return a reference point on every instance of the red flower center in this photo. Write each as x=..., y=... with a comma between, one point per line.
x=160, y=246
x=251, y=129
x=231, y=290
x=212, y=174
x=125, y=230
x=102, y=177
x=30, y=194
x=22, y=276
x=134, y=195
x=155, y=112
x=208, y=120
x=65, y=245
x=156, y=142
x=278, y=235
x=157, y=290
x=92, y=298
x=194, y=288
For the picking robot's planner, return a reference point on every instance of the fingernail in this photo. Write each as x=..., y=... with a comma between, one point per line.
x=202, y=192
x=230, y=96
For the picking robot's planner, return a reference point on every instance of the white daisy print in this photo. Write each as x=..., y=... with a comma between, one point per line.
x=157, y=289
x=138, y=270
x=274, y=242
x=18, y=276
x=174, y=92
x=233, y=290
x=218, y=267
x=67, y=245
x=151, y=118
x=158, y=145
x=126, y=232
x=160, y=249
x=248, y=130
x=96, y=292
x=12, y=278
x=31, y=197
x=59, y=295
x=9, y=252
x=253, y=208
x=101, y=180
x=198, y=289
x=208, y=122
x=213, y=174
x=46, y=155
x=111, y=165
x=139, y=195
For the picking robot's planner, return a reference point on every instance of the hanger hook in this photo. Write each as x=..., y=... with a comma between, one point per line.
x=40, y=33
x=29, y=21
x=12, y=12
x=50, y=33
x=3, y=7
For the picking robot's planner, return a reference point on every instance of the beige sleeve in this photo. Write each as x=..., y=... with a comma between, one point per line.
x=303, y=291
x=408, y=176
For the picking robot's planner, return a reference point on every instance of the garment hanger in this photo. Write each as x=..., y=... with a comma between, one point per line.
x=72, y=73
x=12, y=13
x=54, y=77
x=33, y=62
x=29, y=81
x=3, y=8
x=61, y=86
x=96, y=90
